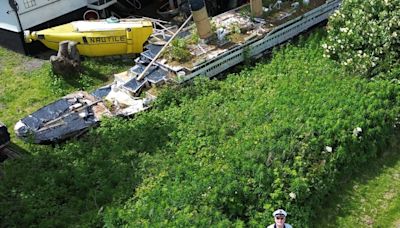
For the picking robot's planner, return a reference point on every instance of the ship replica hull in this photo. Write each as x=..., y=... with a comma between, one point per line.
x=214, y=56
x=69, y=116
x=74, y=114
x=97, y=38
x=253, y=37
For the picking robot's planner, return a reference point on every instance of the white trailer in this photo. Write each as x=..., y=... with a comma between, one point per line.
x=19, y=15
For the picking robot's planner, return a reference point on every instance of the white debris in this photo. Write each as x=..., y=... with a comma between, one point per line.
x=292, y=195
x=83, y=114
x=121, y=97
x=20, y=128
x=75, y=106
x=124, y=103
x=221, y=33
x=328, y=149
x=357, y=131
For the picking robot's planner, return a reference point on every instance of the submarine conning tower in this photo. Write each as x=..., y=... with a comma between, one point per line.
x=256, y=8
x=200, y=17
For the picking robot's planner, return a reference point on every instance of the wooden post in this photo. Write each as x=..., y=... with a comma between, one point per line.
x=256, y=8
x=67, y=62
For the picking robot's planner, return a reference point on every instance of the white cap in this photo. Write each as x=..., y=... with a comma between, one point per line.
x=279, y=212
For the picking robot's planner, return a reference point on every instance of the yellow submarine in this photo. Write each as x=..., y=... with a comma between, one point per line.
x=107, y=37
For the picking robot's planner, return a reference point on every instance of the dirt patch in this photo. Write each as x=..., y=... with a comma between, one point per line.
x=389, y=195
x=29, y=64
x=397, y=224
x=367, y=220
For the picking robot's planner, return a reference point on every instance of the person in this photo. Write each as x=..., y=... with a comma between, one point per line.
x=280, y=218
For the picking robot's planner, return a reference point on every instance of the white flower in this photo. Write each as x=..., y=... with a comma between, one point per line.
x=345, y=30
x=292, y=195
x=357, y=131
x=328, y=149
x=350, y=31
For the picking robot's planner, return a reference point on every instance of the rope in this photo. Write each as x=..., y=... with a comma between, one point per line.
x=135, y=3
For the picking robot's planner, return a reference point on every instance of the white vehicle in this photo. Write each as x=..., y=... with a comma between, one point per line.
x=19, y=15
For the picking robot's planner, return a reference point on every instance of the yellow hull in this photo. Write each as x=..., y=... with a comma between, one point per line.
x=98, y=38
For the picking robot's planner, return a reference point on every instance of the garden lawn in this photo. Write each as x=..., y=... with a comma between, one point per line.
x=370, y=198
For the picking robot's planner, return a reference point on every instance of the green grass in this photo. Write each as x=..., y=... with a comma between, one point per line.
x=370, y=198
x=27, y=84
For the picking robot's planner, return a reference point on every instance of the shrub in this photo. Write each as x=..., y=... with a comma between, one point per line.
x=364, y=36
x=178, y=50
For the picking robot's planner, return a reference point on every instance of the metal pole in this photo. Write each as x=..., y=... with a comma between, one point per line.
x=14, y=6
x=141, y=76
x=171, y=4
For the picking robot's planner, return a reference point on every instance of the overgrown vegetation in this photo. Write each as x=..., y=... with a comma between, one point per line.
x=364, y=36
x=273, y=137
x=178, y=50
x=215, y=153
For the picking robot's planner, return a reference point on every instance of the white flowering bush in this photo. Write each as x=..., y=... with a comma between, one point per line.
x=364, y=36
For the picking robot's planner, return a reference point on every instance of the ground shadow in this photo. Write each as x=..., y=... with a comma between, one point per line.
x=12, y=151
x=81, y=177
x=44, y=55
x=91, y=74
